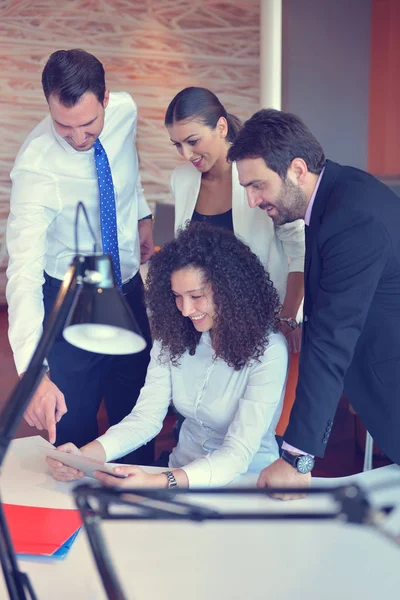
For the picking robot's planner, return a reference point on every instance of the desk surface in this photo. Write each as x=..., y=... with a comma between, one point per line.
x=280, y=560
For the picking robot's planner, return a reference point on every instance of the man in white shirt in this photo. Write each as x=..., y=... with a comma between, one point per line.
x=55, y=168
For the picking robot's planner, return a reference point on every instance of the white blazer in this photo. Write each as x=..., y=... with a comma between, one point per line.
x=280, y=249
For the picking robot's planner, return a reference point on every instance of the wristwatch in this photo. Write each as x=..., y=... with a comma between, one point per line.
x=304, y=463
x=171, y=479
x=292, y=323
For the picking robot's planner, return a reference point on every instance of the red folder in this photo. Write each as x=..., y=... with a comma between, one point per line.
x=40, y=531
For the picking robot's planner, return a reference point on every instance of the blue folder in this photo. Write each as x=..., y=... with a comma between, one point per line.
x=59, y=554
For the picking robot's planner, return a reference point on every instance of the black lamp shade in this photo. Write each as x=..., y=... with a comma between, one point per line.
x=100, y=320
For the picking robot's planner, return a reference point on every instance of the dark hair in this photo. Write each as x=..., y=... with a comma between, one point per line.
x=71, y=73
x=277, y=137
x=200, y=103
x=247, y=305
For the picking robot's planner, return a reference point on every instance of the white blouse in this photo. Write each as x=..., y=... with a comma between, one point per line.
x=230, y=416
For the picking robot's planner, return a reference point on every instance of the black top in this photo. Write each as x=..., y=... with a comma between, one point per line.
x=223, y=220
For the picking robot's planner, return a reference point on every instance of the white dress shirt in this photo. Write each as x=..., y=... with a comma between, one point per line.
x=230, y=416
x=280, y=249
x=49, y=178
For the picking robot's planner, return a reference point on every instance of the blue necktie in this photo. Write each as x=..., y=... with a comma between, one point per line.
x=108, y=213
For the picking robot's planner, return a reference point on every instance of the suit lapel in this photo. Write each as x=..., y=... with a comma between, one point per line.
x=325, y=187
x=307, y=261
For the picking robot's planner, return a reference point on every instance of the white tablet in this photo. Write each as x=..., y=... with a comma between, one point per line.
x=82, y=463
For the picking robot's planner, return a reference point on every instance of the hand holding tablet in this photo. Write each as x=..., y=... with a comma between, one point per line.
x=76, y=460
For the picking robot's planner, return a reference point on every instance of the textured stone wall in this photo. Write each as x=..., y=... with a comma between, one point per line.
x=151, y=49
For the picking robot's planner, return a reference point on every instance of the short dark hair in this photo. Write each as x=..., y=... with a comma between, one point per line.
x=247, y=304
x=201, y=104
x=277, y=137
x=69, y=74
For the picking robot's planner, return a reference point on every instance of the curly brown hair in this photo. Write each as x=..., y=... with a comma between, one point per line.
x=247, y=304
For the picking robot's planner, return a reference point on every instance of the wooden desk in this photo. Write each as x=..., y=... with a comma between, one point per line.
x=276, y=560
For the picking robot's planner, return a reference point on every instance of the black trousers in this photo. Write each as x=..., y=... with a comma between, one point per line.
x=85, y=378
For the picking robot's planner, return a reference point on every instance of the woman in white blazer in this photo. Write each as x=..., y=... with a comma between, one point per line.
x=206, y=188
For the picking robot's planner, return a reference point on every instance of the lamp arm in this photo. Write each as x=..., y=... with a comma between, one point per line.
x=95, y=504
x=81, y=207
x=26, y=386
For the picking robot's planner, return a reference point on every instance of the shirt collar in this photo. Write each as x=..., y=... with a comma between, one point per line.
x=61, y=140
x=307, y=216
x=206, y=338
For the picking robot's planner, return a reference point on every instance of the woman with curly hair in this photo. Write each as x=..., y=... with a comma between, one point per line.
x=217, y=355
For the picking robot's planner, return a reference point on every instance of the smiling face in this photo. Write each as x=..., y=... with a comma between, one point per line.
x=283, y=200
x=194, y=297
x=201, y=145
x=80, y=125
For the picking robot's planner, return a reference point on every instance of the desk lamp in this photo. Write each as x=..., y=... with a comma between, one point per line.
x=95, y=317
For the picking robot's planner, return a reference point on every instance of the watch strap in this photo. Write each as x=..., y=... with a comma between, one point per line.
x=291, y=459
x=171, y=479
x=290, y=321
x=303, y=463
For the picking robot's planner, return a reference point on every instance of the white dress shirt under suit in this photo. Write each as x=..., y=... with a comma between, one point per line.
x=280, y=249
x=230, y=416
x=49, y=178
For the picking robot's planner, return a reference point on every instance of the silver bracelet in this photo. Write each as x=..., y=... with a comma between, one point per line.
x=290, y=321
x=172, y=482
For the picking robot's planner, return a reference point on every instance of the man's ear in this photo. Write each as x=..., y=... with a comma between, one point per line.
x=106, y=98
x=298, y=170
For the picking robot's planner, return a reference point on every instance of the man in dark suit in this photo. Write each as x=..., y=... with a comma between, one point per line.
x=351, y=325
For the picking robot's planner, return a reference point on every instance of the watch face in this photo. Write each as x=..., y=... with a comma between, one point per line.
x=305, y=464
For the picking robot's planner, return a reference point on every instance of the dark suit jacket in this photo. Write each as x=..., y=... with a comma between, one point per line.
x=351, y=329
